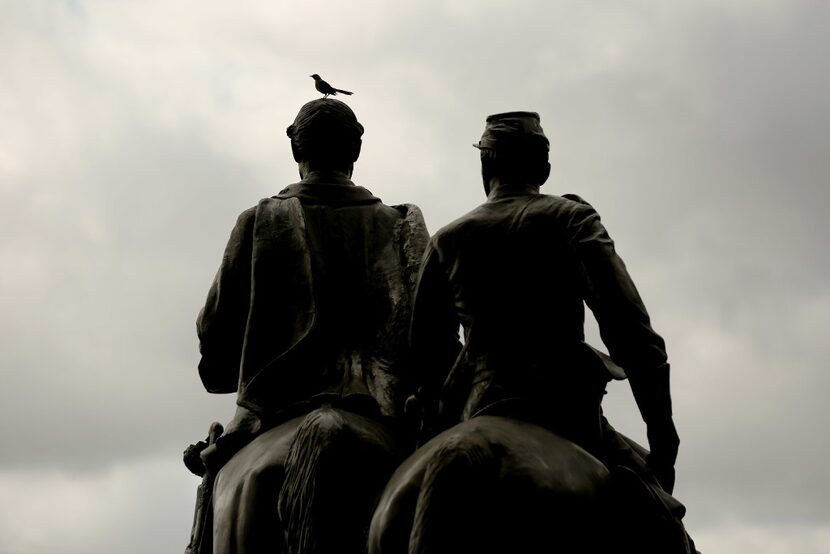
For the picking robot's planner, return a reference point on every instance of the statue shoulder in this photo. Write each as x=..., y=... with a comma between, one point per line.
x=247, y=217
x=243, y=228
x=411, y=215
x=412, y=231
x=576, y=198
x=565, y=209
x=578, y=208
x=260, y=218
x=273, y=203
x=277, y=208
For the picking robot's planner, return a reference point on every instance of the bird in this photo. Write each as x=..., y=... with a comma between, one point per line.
x=326, y=88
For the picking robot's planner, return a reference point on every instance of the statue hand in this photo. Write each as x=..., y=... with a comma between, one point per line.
x=664, y=443
x=192, y=460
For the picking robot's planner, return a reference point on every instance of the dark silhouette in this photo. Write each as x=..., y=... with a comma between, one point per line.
x=306, y=321
x=496, y=484
x=514, y=273
x=200, y=534
x=326, y=88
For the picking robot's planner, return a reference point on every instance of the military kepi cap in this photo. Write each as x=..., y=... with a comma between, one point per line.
x=514, y=131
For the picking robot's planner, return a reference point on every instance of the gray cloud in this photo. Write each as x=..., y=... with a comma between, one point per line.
x=133, y=134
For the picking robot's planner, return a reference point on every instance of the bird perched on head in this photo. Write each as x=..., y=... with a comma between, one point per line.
x=326, y=88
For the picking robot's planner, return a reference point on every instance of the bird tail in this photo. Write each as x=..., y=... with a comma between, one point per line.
x=346, y=92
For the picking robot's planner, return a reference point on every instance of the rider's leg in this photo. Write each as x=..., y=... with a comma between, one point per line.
x=619, y=450
x=245, y=518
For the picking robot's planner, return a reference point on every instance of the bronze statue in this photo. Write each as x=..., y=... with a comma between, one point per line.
x=307, y=321
x=518, y=405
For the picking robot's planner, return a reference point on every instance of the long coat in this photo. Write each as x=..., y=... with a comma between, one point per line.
x=313, y=297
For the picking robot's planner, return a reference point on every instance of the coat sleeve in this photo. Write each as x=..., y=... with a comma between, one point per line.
x=433, y=336
x=221, y=323
x=624, y=323
x=414, y=240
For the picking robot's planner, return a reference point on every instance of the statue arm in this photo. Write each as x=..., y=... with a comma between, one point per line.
x=609, y=291
x=434, y=340
x=221, y=323
x=414, y=238
x=625, y=328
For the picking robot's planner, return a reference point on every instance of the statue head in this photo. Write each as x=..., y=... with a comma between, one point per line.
x=325, y=135
x=514, y=150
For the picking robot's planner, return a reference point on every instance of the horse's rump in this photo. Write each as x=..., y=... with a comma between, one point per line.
x=308, y=485
x=492, y=484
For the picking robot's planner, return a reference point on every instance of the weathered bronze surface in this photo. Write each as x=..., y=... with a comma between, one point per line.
x=514, y=273
x=307, y=322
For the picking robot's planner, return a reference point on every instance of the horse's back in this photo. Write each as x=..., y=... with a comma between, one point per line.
x=491, y=484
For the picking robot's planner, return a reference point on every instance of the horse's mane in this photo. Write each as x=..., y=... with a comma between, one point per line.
x=334, y=459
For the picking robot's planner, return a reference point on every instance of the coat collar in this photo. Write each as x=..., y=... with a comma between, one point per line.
x=319, y=190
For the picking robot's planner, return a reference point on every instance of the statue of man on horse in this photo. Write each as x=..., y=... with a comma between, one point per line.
x=517, y=406
x=307, y=322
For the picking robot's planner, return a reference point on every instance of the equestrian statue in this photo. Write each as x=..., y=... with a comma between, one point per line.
x=367, y=423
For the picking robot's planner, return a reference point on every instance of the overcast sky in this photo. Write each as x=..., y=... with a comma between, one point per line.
x=133, y=133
